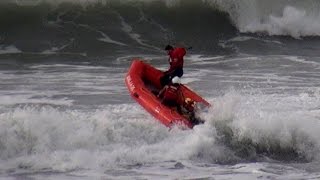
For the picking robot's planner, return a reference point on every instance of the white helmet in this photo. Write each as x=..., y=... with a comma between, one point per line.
x=176, y=80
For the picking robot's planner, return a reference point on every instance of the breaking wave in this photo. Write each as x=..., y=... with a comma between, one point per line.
x=51, y=137
x=107, y=26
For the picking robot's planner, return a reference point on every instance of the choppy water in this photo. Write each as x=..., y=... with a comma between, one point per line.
x=65, y=112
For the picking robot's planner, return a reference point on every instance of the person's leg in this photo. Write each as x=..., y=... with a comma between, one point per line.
x=179, y=72
x=165, y=79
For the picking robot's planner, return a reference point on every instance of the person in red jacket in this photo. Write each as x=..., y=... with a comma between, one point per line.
x=171, y=94
x=176, y=64
x=188, y=110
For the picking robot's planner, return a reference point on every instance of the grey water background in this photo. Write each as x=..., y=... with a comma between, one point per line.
x=65, y=112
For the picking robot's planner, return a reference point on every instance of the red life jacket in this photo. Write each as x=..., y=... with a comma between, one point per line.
x=189, y=105
x=171, y=94
x=176, y=58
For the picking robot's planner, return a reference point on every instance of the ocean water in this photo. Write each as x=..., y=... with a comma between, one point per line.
x=65, y=112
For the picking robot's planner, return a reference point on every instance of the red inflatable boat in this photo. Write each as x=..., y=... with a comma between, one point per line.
x=143, y=81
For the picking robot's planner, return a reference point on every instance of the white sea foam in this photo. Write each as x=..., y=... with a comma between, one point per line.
x=55, y=50
x=247, y=38
x=137, y=37
x=302, y=60
x=270, y=117
x=9, y=50
x=23, y=99
x=294, y=18
x=45, y=137
x=294, y=22
x=105, y=37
